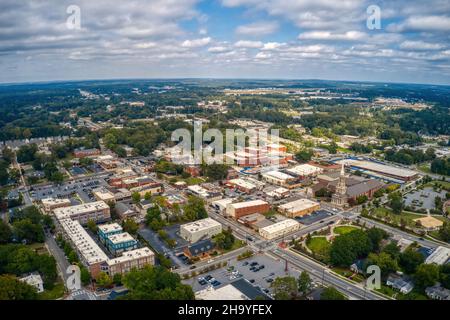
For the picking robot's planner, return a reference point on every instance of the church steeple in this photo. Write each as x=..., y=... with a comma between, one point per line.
x=340, y=197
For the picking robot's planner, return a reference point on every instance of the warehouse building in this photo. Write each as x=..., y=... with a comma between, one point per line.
x=200, y=230
x=279, y=229
x=299, y=208
x=240, y=209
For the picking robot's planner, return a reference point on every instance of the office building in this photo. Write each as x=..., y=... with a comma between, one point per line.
x=240, y=209
x=199, y=230
x=298, y=208
x=279, y=229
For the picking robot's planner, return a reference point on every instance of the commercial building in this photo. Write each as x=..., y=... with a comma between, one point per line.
x=279, y=178
x=221, y=204
x=120, y=242
x=103, y=194
x=304, y=170
x=97, y=211
x=240, y=209
x=200, y=249
x=439, y=256
x=203, y=193
x=152, y=189
x=279, y=229
x=50, y=204
x=252, y=219
x=381, y=170
x=199, y=230
x=278, y=193
x=135, y=259
x=242, y=185
x=299, y=208
x=106, y=230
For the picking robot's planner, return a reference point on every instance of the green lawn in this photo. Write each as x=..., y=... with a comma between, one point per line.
x=408, y=217
x=344, y=229
x=55, y=293
x=318, y=244
x=194, y=180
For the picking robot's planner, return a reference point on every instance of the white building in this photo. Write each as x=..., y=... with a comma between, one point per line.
x=103, y=194
x=50, y=204
x=277, y=178
x=305, y=170
x=439, y=256
x=221, y=204
x=34, y=280
x=279, y=229
x=299, y=208
x=96, y=211
x=199, y=230
x=228, y=292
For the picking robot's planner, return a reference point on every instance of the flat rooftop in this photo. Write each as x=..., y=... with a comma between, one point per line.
x=298, y=205
x=53, y=201
x=246, y=204
x=200, y=225
x=110, y=227
x=304, y=170
x=242, y=183
x=280, y=226
x=278, y=175
x=378, y=167
x=80, y=209
x=121, y=237
x=131, y=255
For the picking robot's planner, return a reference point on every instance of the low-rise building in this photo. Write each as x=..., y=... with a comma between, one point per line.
x=221, y=204
x=151, y=189
x=279, y=178
x=299, y=208
x=34, y=280
x=439, y=256
x=304, y=170
x=200, y=249
x=83, y=153
x=97, y=211
x=199, y=230
x=279, y=229
x=103, y=194
x=399, y=283
x=242, y=185
x=120, y=242
x=107, y=230
x=50, y=204
x=437, y=292
x=240, y=209
x=199, y=191
x=125, y=211
x=135, y=259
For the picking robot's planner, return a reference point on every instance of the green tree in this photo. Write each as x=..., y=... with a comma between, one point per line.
x=104, y=280
x=156, y=283
x=304, y=155
x=393, y=250
x=444, y=232
x=13, y=289
x=26, y=230
x=136, y=196
x=92, y=226
x=304, y=283
x=195, y=209
x=285, y=288
x=396, y=202
x=346, y=248
x=225, y=239
x=5, y=232
x=331, y=293
x=117, y=279
x=384, y=261
x=130, y=226
x=410, y=259
x=426, y=275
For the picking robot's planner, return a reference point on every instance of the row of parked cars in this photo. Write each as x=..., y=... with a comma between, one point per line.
x=209, y=279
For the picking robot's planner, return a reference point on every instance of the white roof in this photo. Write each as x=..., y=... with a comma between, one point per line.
x=242, y=183
x=103, y=193
x=110, y=227
x=279, y=226
x=200, y=225
x=131, y=255
x=223, y=202
x=439, y=256
x=67, y=212
x=277, y=175
x=85, y=245
x=298, y=205
x=369, y=165
x=199, y=190
x=33, y=279
x=246, y=204
x=121, y=237
x=228, y=292
x=52, y=201
x=304, y=170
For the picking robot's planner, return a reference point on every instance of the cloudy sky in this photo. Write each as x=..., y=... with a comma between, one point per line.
x=303, y=39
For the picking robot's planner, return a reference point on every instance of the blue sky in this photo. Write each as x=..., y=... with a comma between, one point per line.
x=294, y=39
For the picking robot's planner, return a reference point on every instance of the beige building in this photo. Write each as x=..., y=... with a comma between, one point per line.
x=199, y=230
x=298, y=208
x=279, y=229
x=136, y=259
x=103, y=194
x=278, y=178
x=50, y=204
x=97, y=211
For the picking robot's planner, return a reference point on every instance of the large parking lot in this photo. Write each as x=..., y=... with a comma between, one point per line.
x=244, y=269
x=70, y=189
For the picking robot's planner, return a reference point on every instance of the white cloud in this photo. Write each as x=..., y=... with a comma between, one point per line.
x=218, y=49
x=327, y=35
x=420, y=45
x=248, y=44
x=273, y=45
x=422, y=23
x=258, y=28
x=196, y=42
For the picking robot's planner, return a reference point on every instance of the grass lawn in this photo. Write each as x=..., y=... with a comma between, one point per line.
x=344, y=229
x=425, y=168
x=408, y=217
x=194, y=180
x=348, y=274
x=55, y=293
x=318, y=244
